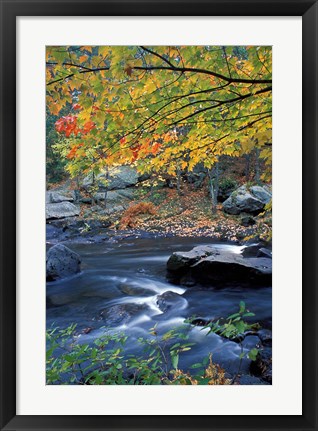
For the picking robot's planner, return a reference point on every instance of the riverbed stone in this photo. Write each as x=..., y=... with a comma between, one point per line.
x=61, y=262
x=262, y=366
x=265, y=335
x=264, y=252
x=207, y=265
x=251, y=250
x=184, y=259
x=169, y=299
x=249, y=380
x=120, y=314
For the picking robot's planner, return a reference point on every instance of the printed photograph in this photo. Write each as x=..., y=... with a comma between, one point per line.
x=158, y=215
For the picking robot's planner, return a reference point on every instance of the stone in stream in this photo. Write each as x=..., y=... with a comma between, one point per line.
x=229, y=267
x=264, y=252
x=61, y=262
x=180, y=260
x=133, y=290
x=265, y=335
x=251, y=250
x=120, y=314
x=206, y=265
x=256, y=250
x=169, y=299
x=262, y=366
x=249, y=380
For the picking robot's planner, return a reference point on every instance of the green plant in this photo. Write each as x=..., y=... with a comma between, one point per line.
x=104, y=362
x=227, y=184
x=86, y=228
x=234, y=328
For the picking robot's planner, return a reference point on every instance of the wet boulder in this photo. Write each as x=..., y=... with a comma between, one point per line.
x=262, y=366
x=120, y=314
x=61, y=262
x=265, y=335
x=256, y=250
x=168, y=300
x=208, y=266
x=181, y=260
x=233, y=268
x=264, y=252
x=251, y=250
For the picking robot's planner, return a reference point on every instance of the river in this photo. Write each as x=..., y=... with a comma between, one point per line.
x=119, y=287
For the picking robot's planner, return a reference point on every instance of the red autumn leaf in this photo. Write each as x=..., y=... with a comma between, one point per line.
x=123, y=140
x=88, y=126
x=135, y=151
x=76, y=106
x=155, y=148
x=59, y=125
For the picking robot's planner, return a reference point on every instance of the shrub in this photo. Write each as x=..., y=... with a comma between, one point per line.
x=130, y=216
x=105, y=362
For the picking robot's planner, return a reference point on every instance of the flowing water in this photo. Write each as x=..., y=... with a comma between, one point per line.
x=119, y=287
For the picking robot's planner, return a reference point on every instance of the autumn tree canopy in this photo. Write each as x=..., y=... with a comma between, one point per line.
x=160, y=107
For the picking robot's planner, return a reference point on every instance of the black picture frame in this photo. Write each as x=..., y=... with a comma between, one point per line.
x=9, y=11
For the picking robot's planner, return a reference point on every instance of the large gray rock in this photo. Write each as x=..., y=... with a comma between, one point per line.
x=181, y=260
x=262, y=193
x=216, y=268
x=55, y=196
x=118, y=178
x=252, y=200
x=61, y=262
x=61, y=210
x=232, y=268
x=114, y=195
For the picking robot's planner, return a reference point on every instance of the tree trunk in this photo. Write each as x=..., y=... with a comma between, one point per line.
x=77, y=193
x=106, y=187
x=93, y=187
x=212, y=191
x=179, y=181
x=213, y=175
x=247, y=166
x=216, y=184
x=257, y=166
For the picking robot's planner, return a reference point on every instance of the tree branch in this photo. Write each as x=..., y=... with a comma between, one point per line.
x=206, y=72
x=97, y=69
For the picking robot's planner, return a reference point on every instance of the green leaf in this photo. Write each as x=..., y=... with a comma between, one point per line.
x=197, y=365
x=252, y=354
x=242, y=307
x=174, y=360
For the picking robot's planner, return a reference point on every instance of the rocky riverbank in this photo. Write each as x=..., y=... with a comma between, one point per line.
x=88, y=211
